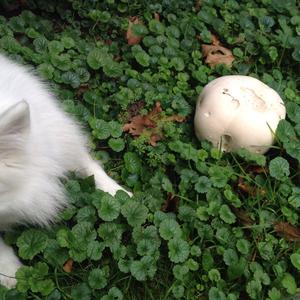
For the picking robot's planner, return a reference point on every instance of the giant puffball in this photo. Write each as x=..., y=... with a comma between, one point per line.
x=236, y=111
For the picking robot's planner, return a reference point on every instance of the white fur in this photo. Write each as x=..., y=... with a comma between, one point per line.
x=39, y=143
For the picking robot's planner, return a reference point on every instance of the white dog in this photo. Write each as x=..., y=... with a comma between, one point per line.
x=39, y=143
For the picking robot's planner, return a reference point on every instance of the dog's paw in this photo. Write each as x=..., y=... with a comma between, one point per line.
x=9, y=264
x=113, y=187
x=9, y=282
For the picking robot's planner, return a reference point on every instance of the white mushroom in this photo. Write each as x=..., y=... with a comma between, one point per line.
x=238, y=111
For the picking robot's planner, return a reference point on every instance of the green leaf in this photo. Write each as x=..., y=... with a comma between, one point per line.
x=195, y=250
x=253, y=289
x=65, y=238
x=289, y=283
x=141, y=269
x=98, y=58
x=146, y=247
x=40, y=44
x=274, y=294
x=285, y=131
x=34, y=278
x=94, y=250
x=142, y=58
x=132, y=163
x=115, y=129
x=156, y=26
x=55, y=47
x=116, y=145
x=113, y=294
x=46, y=70
x=180, y=271
x=295, y=259
x=226, y=215
x=31, y=242
x=215, y=294
x=97, y=279
x=230, y=257
x=219, y=175
x=67, y=42
x=177, y=63
x=108, y=207
x=243, y=246
x=203, y=184
x=279, y=168
x=266, y=250
x=81, y=292
x=113, y=69
x=139, y=29
x=169, y=229
x=214, y=275
x=178, y=291
x=71, y=78
x=134, y=212
x=178, y=250
x=54, y=254
x=86, y=214
x=111, y=233
x=101, y=128
x=83, y=74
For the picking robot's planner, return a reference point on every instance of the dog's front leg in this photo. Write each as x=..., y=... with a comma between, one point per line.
x=9, y=264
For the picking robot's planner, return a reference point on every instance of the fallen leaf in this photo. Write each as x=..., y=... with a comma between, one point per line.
x=154, y=139
x=251, y=190
x=288, y=231
x=257, y=170
x=137, y=125
x=215, y=55
x=214, y=40
x=82, y=88
x=133, y=39
x=197, y=5
x=68, y=266
x=150, y=125
x=171, y=204
x=243, y=216
x=134, y=109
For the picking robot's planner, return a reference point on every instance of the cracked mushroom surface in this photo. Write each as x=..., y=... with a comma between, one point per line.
x=238, y=111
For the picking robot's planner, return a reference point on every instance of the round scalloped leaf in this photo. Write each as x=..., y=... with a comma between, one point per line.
x=108, y=208
x=179, y=250
x=169, y=229
x=134, y=212
x=31, y=242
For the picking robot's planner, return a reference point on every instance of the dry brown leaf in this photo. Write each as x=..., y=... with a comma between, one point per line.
x=147, y=124
x=82, y=89
x=157, y=16
x=251, y=190
x=175, y=118
x=171, y=204
x=288, y=231
x=134, y=109
x=154, y=138
x=214, y=40
x=258, y=170
x=197, y=5
x=243, y=216
x=133, y=39
x=215, y=55
x=68, y=266
x=137, y=125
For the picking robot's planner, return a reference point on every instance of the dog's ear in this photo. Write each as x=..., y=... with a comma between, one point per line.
x=16, y=119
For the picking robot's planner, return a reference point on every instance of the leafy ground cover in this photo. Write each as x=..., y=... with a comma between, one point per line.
x=201, y=224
